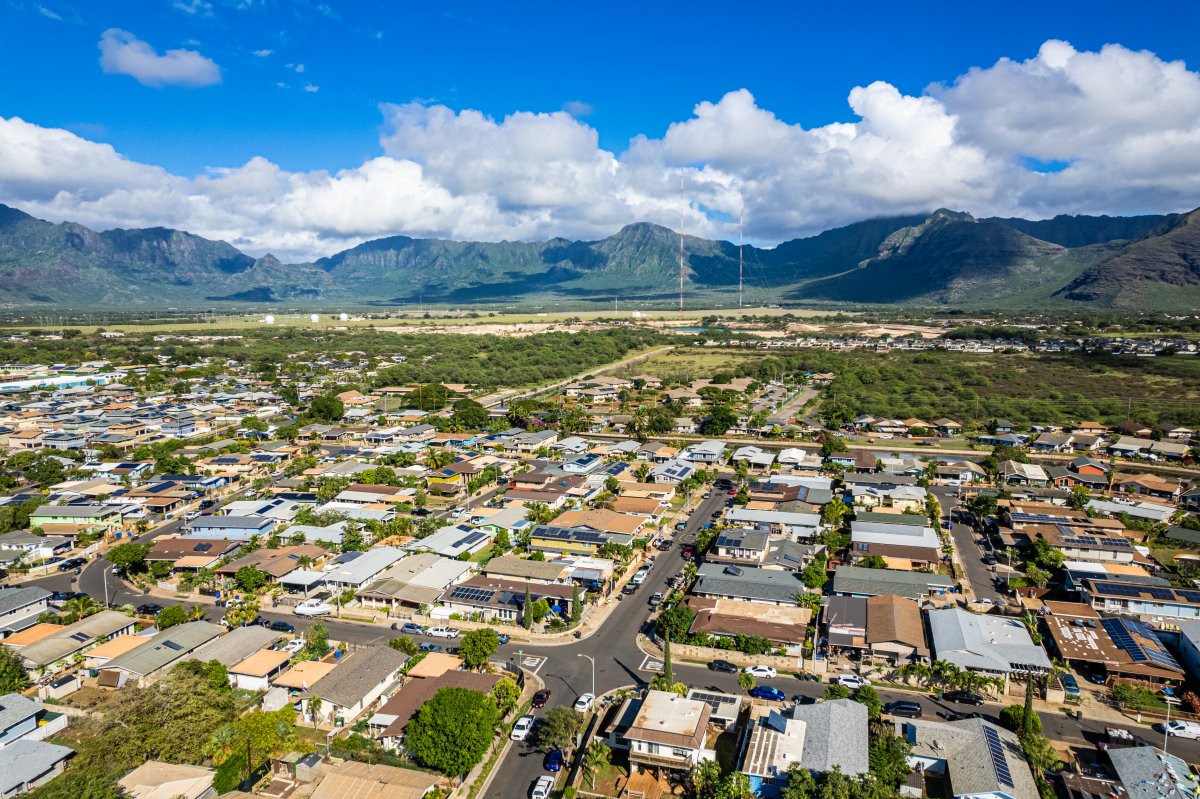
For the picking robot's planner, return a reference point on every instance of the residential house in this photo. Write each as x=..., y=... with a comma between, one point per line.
x=71, y=520
x=573, y=540
x=374, y=781
x=1153, y=603
x=233, y=528
x=818, y=738
x=502, y=599
x=359, y=681
x=747, y=583
x=155, y=779
x=414, y=581
x=667, y=732
x=859, y=581
x=54, y=653
x=276, y=563
x=163, y=649
x=1118, y=647
x=978, y=759
x=26, y=765
x=995, y=646
x=453, y=541
x=355, y=573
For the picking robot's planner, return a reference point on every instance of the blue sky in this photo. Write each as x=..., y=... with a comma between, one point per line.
x=620, y=70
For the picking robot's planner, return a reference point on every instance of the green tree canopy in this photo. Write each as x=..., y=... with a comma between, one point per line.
x=170, y=617
x=13, y=677
x=130, y=556
x=452, y=731
x=559, y=728
x=477, y=646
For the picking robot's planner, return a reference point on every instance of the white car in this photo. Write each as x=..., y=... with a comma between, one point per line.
x=584, y=703
x=313, y=607
x=442, y=632
x=542, y=788
x=761, y=672
x=1182, y=729
x=520, y=730
x=851, y=681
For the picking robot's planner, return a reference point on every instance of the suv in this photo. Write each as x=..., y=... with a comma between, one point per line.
x=520, y=730
x=412, y=629
x=910, y=710
x=963, y=698
x=542, y=788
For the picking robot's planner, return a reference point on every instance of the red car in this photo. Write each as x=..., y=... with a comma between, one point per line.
x=541, y=697
x=733, y=492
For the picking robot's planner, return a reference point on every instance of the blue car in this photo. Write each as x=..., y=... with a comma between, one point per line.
x=504, y=639
x=767, y=692
x=554, y=761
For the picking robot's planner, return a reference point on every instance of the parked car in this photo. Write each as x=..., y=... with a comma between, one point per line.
x=767, y=692
x=584, y=703
x=656, y=599
x=71, y=563
x=282, y=627
x=723, y=666
x=442, y=632
x=520, y=730
x=541, y=698
x=963, y=697
x=851, y=681
x=503, y=638
x=554, y=761
x=1182, y=729
x=425, y=646
x=412, y=629
x=630, y=587
x=542, y=788
x=910, y=710
x=149, y=609
x=681, y=525
x=311, y=607
x=761, y=672
x=1070, y=686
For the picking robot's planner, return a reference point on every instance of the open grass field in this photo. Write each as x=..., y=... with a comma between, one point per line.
x=224, y=323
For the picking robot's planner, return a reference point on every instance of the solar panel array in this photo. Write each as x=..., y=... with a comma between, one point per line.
x=1097, y=541
x=572, y=534
x=713, y=700
x=999, y=761
x=1038, y=518
x=470, y=539
x=1130, y=635
x=470, y=594
x=1138, y=591
x=1190, y=596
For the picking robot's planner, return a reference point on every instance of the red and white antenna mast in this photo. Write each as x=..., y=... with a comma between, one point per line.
x=741, y=229
x=681, y=209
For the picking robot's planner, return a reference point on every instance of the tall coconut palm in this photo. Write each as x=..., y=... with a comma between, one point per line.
x=642, y=472
x=438, y=458
x=80, y=607
x=595, y=759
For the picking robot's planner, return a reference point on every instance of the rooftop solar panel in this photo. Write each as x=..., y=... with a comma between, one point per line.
x=999, y=761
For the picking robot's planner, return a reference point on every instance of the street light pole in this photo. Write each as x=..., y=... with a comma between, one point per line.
x=592, y=660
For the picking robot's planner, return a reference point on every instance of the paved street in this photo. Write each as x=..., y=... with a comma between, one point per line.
x=970, y=554
x=618, y=660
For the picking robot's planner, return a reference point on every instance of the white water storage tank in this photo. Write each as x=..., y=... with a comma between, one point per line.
x=314, y=319
x=345, y=317
x=268, y=319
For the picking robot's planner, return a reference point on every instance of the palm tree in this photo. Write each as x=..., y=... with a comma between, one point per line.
x=438, y=458
x=596, y=758
x=642, y=473
x=80, y=607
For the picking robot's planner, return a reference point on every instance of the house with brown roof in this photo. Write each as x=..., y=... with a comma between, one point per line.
x=605, y=521
x=1150, y=485
x=191, y=554
x=895, y=629
x=387, y=724
x=256, y=672
x=354, y=780
x=727, y=618
x=278, y=562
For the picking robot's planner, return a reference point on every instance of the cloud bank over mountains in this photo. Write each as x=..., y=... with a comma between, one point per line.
x=1114, y=131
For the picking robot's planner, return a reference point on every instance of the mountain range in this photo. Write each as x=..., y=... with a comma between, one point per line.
x=945, y=258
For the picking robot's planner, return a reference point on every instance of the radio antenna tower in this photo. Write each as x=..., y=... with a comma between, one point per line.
x=681, y=209
x=741, y=228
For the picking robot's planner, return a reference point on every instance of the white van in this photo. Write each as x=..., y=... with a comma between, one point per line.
x=313, y=607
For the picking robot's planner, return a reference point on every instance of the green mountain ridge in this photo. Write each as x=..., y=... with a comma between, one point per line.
x=946, y=258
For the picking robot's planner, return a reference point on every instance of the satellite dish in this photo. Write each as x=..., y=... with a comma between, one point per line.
x=268, y=319
x=314, y=319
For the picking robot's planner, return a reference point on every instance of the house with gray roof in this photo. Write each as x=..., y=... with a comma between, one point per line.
x=236, y=645
x=18, y=718
x=361, y=570
x=861, y=581
x=1147, y=772
x=992, y=645
x=53, y=653
x=979, y=759
x=748, y=583
x=835, y=734
x=20, y=607
x=359, y=680
x=30, y=764
x=163, y=649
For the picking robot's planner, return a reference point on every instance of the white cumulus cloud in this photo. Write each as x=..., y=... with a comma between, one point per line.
x=1065, y=131
x=122, y=53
